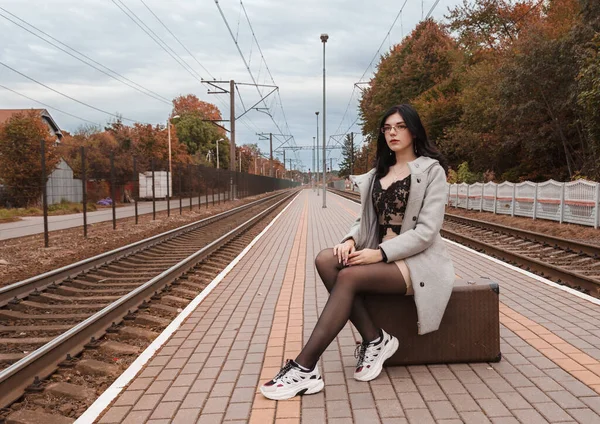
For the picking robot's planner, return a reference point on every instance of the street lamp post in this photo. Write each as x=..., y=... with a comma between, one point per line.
x=317, y=149
x=169, y=136
x=313, y=166
x=221, y=139
x=324, y=38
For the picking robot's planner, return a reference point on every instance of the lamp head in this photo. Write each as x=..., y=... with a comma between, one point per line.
x=324, y=37
x=317, y=113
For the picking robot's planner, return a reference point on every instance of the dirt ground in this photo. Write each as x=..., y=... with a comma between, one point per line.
x=26, y=257
x=574, y=232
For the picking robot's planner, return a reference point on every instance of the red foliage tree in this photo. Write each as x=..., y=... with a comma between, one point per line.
x=20, y=157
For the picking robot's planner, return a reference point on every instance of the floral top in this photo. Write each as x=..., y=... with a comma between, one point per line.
x=390, y=205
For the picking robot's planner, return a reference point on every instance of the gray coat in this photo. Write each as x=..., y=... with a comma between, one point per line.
x=419, y=242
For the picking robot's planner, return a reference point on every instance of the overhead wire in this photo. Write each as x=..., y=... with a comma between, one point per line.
x=48, y=106
x=398, y=15
x=177, y=39
x=158, y=40
x=253, y=78
x=431, y=10
x=127, y=81
x=69, y=97
x=265, y=62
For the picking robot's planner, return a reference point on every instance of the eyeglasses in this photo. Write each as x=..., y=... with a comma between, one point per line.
x=399, y=127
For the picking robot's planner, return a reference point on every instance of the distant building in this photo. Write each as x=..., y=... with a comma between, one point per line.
x=53, y=128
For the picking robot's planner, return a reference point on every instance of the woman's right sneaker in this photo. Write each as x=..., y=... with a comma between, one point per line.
x=371, y=356
x=292, y=381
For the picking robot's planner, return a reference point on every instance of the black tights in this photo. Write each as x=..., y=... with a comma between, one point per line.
x=346, y=285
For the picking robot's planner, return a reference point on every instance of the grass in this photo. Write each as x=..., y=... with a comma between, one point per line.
x=62, y=208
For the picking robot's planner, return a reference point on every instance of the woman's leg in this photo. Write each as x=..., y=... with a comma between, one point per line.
x=382, y=278
x=328, y=268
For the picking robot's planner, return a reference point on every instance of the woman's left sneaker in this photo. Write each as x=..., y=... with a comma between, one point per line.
x=371, y=356
x=292, y=381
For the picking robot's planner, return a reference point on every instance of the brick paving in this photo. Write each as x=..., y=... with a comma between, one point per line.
x=211, y=368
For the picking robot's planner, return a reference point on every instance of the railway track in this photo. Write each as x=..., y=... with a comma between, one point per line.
x=567, y=262
x=109, y=307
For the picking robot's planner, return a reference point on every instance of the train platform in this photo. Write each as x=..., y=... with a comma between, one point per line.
x=208, y=364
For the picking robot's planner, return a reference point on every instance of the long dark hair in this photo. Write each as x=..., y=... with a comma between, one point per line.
x=423, y=147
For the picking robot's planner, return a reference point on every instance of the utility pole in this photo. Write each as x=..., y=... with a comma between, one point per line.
x=352, y=153
x=291, y=169
x=284, y=164
x=330, y=164
x=232, y=136
x=271, y=155
x=324, y=38
x=313, y=167
x=317, y=150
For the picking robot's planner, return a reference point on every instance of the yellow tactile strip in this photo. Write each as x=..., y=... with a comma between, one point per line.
x=577, y=363
x=285, y=340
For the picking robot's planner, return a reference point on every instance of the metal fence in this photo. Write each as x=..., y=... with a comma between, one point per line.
x=575, y=202
x=108, y=183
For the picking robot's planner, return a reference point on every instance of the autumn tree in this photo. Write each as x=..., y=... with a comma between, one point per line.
x=20, y=157
x=425, y=58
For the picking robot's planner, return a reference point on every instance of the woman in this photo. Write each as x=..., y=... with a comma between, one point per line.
x=394, y=247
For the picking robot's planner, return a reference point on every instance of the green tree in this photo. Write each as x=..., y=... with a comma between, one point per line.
x=349, y=155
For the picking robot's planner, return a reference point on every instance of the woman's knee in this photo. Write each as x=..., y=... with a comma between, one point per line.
x=324, y=259
x=347, y=279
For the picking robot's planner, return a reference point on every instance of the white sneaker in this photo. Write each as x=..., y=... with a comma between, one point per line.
x=372, y=356
x=292, y=381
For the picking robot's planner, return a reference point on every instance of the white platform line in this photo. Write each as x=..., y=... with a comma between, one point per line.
x=94, y=411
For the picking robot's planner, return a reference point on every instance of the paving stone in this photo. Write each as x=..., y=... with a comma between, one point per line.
x=389, y=408
x=552, y=412
x=442, y=410
x=419, y=416
x=529, y=416
x=493, y=408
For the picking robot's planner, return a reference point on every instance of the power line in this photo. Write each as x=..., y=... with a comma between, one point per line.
x=177, y=39
x=369, y=67
x=245, y=62
x=147, y=92
x=48, y=106
x=431, y=10
x=383, y=41
x=265, y=62
x=156, y=39
x=69, y=97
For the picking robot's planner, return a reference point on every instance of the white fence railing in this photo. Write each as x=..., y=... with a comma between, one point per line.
x=576, y=202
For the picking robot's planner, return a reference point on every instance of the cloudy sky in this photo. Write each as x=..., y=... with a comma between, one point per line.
x=200, y=41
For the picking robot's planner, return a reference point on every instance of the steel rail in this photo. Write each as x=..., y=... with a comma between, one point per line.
x=22, y=288
x=568, y=245
x=561, y=275
x=42, y=362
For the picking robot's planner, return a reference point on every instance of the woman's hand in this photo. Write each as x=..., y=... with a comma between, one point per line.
x=364, y=257
x=343, y=250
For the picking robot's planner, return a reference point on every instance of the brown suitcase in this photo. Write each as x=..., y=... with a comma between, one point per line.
x=469, y=332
